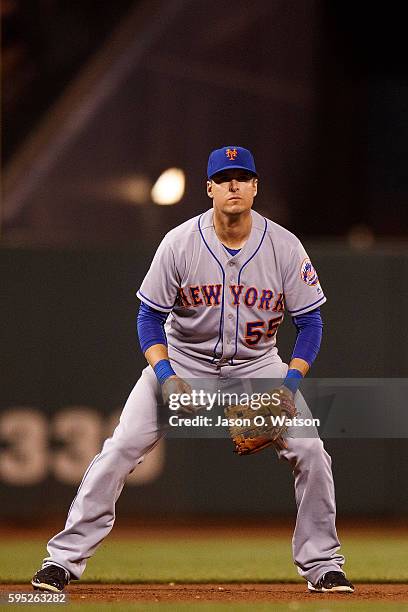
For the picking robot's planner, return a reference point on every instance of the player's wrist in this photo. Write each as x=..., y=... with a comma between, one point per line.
x=163, y=370
x=292, y=380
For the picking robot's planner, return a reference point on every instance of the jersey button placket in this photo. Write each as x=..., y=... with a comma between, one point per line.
x=229, y=329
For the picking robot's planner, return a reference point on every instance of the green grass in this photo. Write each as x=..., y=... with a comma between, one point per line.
x=210, y=559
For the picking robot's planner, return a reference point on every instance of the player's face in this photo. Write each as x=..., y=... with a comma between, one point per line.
x=232, y=191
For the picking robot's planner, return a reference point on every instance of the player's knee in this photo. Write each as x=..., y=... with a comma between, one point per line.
x=309, y=452
x=129, y=451
x=132, y=455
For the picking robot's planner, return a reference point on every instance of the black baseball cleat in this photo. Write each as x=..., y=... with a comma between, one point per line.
x=332, y=582
x=50, y=578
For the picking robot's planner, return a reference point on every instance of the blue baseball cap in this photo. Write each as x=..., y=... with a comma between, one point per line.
x=230, y=157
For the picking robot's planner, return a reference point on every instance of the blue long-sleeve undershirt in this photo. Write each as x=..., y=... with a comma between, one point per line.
x=150, y=326
x=309, y=328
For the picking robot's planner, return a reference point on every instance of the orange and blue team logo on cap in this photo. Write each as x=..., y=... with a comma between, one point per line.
x=231, y=153
x=308, y=274
x=230, y=157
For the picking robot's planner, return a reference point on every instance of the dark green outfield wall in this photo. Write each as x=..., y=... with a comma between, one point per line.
x=69, y=356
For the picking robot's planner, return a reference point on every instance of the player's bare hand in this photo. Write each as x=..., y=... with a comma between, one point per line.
x=176, y=386
x=287, y=402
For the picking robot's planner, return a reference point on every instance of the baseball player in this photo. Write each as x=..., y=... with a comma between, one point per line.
x=211, y=304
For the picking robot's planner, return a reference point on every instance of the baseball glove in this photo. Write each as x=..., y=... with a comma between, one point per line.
x=253, y=429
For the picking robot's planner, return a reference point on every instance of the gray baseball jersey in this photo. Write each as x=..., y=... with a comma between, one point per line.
x=228, y=308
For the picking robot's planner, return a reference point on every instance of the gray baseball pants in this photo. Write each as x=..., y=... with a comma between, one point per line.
x=92, y=514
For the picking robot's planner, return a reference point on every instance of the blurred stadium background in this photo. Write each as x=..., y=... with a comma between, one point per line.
x=109, y=110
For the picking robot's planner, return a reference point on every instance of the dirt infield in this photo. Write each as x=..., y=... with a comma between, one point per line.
x=227, y=593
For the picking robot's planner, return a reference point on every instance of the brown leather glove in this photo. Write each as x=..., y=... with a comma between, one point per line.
x=253, y=430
